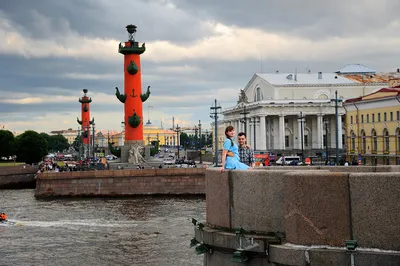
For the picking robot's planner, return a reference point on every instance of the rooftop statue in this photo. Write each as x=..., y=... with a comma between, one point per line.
x=242, y=97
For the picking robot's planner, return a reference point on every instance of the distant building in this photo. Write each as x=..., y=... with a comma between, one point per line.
x=70, y=134
x=270, y=105
x=152, y=133
x=373, y=127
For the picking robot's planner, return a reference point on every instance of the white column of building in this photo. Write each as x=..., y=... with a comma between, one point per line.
x=332, y=124
x=340, y=132
x=281, y=132
x=320, y=135
x=248, y=131
x=262, y=136
x=298, y=143
x=255, y=126
x=269, y=132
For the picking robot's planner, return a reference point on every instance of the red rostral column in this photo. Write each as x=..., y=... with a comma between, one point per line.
x=132, y=97
x=85, y=115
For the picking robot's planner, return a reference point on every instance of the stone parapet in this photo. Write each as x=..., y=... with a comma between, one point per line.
x=249, y=199
x=315, y=209
x=175, y=181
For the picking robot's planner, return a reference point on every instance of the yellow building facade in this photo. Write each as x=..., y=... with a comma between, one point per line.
x=152, y=133
x=373, y=128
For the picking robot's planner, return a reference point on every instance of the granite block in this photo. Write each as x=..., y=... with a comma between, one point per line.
x=217, y=198
x=317, y=208
x=375, y=199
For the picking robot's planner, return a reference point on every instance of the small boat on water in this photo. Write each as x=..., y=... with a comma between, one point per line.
x=7, y=223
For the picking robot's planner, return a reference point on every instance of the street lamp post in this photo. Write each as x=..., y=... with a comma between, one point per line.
x=336, y=100
x=83, y=147
x=326, y=122
x=244, y=119
x=177, y=130
x=80, y=139
x=93, y=138
x=254, y=130
x=201, y=161
x=214, y=111
x=301, y=119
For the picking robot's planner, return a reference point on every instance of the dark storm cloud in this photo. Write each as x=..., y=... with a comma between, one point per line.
x=104, y=19
x=312, y=18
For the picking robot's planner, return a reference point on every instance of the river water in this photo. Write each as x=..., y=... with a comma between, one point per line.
x=108, y=231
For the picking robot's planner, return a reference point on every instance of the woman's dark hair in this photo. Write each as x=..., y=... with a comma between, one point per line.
x=227, y=129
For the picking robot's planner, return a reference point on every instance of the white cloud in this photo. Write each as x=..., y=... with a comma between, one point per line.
x=228, y=43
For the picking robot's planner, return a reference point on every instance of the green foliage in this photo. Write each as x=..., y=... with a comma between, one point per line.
x=114, y=150
x=153, y=151
x=55, y=143
x=31, y=147
x=58, y=143
x=184, y=139
x=7, y=143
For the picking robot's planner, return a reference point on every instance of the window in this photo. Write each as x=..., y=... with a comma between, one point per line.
x=367, y=118
x=374, y=140
x=258, y=94
x=353, y=141
x=286, y=141
x=364, y=141
x=343, y=140
x=362, y=118
x=379, y=117
x=351, y=119
x=306, y=140
x=398, y=115
x=325, y=139
x=387, y=140
x=398, y=139
x=384, y=116
x=373, y=118
x=391, y=116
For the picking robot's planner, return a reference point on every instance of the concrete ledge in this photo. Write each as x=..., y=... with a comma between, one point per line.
x=229, y=241
x=222, y=244
x=345, y=169
x=308, y=256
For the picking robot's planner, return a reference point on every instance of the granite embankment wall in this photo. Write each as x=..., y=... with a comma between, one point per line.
x=17, y=177
x=313, y=209
x=173, y=181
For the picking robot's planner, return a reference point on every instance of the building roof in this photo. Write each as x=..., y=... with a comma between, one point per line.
x=355, y=69
x=305, y=78
x=384, y=93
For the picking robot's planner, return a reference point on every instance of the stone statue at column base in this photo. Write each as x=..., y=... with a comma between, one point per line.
x=136, y=153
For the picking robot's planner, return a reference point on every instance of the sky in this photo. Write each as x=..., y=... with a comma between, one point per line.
x=196, y=51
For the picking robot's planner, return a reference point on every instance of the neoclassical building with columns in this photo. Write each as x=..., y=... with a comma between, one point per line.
x=283, y=112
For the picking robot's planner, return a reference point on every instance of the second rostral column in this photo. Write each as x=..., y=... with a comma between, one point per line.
x=132, y=97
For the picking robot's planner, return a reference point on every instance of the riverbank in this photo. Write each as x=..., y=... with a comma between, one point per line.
x=119, y=183
x=17, y=177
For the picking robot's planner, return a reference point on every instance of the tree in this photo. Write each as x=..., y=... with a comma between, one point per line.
x=58, y=143
x=184, y=139
x=55, y=143
x=7, y=143
x=31, y=147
